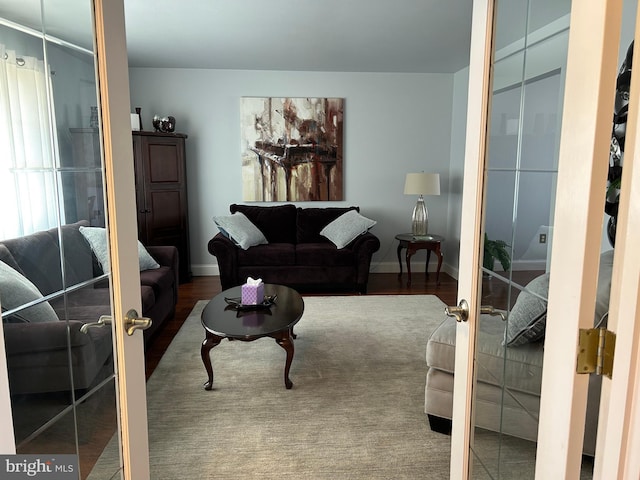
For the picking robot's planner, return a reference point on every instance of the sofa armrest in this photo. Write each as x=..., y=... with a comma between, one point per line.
x=367, y=242
x=364, y=247
x=226, y=253
x=28, y=338
x=166, y=256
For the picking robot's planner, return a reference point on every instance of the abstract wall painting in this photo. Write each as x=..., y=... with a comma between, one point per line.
x=292, y=149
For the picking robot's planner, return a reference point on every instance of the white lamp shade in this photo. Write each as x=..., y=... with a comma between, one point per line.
x=422, y=184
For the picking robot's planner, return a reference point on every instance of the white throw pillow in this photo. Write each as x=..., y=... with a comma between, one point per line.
x=240, y=230
x=346, y=228
x=528, y=318
x=17, y=290
x=97, y=238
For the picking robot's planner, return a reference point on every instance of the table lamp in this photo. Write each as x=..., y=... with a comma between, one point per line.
x=421, y=184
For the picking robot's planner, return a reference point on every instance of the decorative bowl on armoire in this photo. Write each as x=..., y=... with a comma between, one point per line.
x=164, y=124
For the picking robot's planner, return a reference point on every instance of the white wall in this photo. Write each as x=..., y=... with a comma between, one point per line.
x=394, y=124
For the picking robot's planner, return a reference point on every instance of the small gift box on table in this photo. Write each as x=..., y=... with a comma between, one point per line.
x=253, y=292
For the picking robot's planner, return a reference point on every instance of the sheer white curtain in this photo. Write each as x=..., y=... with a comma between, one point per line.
x=27, y=173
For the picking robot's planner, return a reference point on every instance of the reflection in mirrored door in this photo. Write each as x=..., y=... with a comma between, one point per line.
x=531, y=39
x=61, y=372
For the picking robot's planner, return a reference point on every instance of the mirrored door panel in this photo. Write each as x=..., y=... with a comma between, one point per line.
x=522, y=156
x=53, y=291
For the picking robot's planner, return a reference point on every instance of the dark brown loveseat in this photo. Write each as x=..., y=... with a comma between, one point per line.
x=38, y=352
x=296, y=254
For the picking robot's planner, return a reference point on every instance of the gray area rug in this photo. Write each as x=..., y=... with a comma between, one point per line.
x=356, y=409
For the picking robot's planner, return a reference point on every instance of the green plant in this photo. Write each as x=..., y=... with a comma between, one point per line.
x=496, y=250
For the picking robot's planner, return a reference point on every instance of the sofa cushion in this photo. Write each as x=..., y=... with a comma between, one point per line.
x=38, y=256
x=274, y=254
x=310, y=221
x=317, y=254
x=78, y=257
x=346, y=228
x=84, y=305
x=161, y=279
x=277, y=223
x=28, y=340
x=15, y=291
x=528, y=317
x=6, y=257
x=522, y=369
x=97, y=239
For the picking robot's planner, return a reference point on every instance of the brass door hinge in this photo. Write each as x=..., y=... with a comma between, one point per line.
x=596, y=349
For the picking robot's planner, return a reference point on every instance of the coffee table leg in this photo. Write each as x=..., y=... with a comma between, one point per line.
x=209, y=342
x=285, y=340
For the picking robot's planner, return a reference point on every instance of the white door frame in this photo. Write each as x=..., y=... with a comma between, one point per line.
x=113, y=78
x=7, y=439
x=619, y=423
x=470, y=232
x=592, y=67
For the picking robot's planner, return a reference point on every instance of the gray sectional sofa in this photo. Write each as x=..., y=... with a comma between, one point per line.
x=517, y=367
x=41, y=339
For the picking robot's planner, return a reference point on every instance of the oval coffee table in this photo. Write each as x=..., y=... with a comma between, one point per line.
x=221, y=320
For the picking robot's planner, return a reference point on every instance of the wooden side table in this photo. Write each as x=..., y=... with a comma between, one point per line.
x=430, y=243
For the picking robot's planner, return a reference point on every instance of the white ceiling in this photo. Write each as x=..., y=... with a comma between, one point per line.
x=321, y=35
x=421, y=36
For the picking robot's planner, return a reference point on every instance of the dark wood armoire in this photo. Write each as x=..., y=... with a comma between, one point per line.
x=161, y=193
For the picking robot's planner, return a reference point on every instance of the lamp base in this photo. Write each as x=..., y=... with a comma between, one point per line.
x=420, y=218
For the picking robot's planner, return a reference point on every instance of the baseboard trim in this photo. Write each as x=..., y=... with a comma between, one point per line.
x=207, y=270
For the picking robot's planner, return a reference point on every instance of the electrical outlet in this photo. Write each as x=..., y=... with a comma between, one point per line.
x=543, y=238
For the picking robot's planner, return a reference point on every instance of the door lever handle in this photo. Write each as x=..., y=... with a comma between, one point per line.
x=133, y=322
x=102, y=321
x=461, y=312
x=489, y=310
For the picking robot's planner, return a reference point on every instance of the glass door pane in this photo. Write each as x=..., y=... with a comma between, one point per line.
x=531, y=40
x=61, y=373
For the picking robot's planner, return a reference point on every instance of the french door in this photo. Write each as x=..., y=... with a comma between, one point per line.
x=567, y=247
x=97, y=188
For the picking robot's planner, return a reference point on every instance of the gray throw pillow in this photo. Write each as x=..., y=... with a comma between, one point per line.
x=240, y=230
x=528, y=318
x=16, y=290
x=97, y=239
x=346, y=228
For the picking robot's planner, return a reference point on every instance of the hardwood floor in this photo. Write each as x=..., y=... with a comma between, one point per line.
x=379, y=284
x=495, y=292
